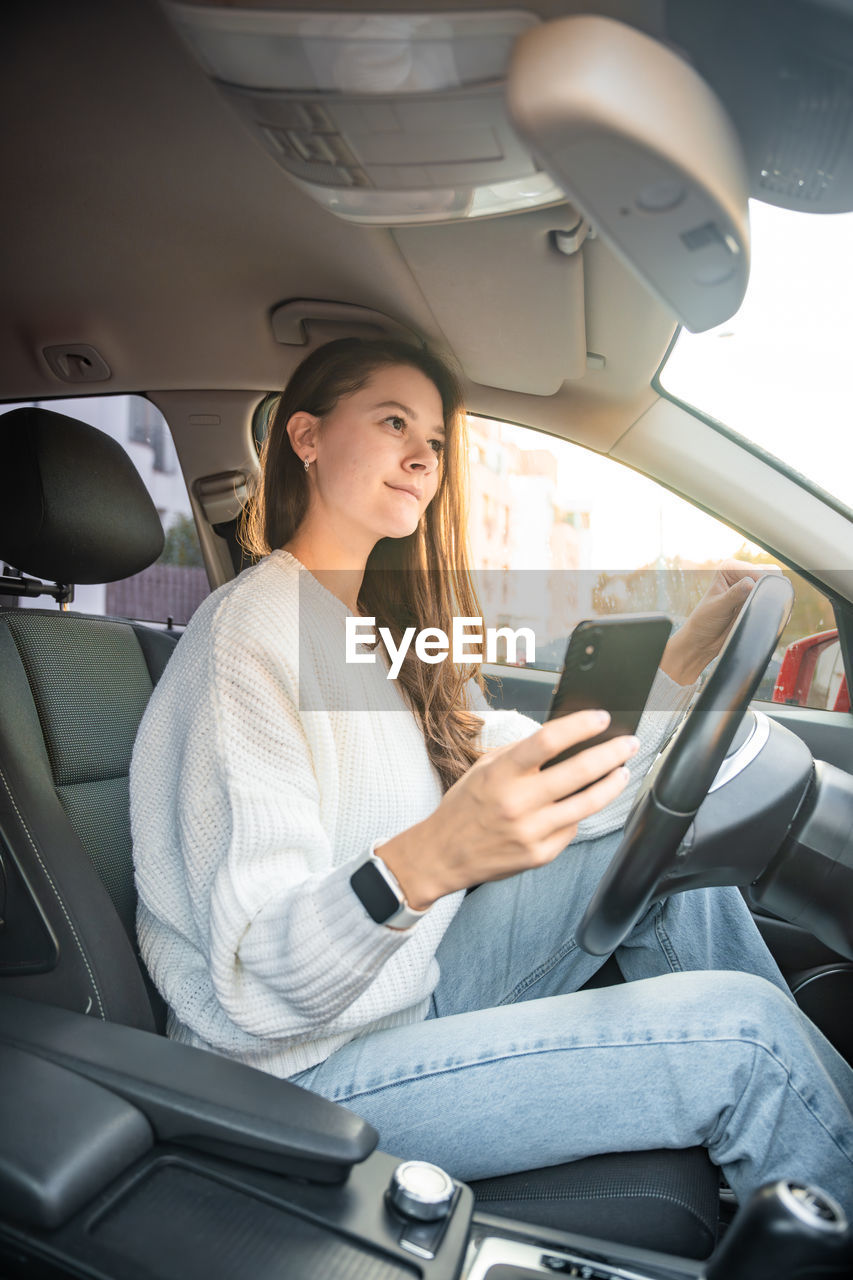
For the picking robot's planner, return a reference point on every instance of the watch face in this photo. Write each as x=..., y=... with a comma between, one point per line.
x=375, y=893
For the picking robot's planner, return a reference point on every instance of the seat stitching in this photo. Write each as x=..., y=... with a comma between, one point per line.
x=57, y=895
x=570, y=1194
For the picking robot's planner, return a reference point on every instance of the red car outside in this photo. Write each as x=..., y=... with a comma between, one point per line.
x=812, y=674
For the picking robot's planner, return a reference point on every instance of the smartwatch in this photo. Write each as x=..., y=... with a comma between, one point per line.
x=379, y=892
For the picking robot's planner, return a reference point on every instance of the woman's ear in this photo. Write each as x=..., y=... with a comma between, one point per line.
x=302, y=432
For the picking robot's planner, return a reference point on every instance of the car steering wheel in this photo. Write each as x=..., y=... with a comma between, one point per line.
x=684, y=772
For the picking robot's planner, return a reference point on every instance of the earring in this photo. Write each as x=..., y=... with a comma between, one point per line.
x=307, y=464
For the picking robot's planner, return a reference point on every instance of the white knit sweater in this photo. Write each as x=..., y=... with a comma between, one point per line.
x=264, y=769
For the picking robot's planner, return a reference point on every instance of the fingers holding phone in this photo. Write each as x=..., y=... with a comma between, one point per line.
x=507, y=814
x=581, y=748
x=577, y=787
x=517, y=807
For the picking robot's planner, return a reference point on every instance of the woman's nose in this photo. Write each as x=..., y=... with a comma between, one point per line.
x=424, y=458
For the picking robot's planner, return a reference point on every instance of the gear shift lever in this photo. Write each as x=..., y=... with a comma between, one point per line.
x=787, y=1231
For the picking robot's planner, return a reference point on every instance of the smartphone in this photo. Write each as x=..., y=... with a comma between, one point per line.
x=610, y=663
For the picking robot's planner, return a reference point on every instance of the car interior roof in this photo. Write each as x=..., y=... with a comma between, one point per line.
x=150, y=224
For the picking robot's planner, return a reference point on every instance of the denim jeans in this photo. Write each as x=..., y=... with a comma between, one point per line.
x=515, y=1068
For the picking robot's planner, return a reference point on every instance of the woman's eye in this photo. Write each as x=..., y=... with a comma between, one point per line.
x=399, y=424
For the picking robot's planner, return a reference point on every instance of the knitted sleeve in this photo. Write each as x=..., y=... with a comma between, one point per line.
x=500, y=725
x=292, y=950
x=666, y=706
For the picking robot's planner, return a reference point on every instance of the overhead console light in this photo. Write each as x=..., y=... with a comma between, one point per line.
x=382, y=118
x=645, y=150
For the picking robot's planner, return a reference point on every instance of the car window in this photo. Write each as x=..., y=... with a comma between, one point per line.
x=776, y=372
x=175, y=585
x=559, y=533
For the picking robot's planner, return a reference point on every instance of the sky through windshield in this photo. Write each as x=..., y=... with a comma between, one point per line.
x=779, y=372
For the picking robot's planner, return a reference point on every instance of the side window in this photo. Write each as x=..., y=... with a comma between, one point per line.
x=582, y=536
x=175, y=585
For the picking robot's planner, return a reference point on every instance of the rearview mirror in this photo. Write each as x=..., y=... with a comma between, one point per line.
x=645, y=151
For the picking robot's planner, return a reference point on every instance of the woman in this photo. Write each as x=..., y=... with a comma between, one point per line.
x=305, y=830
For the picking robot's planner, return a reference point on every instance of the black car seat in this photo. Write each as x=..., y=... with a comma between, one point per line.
x=73, y=689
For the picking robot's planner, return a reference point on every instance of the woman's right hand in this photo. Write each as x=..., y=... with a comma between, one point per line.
x=508, y=814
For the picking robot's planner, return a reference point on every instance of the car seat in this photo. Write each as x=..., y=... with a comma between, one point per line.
x=73, y=689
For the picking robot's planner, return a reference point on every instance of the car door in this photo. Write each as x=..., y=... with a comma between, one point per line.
x=559, y=533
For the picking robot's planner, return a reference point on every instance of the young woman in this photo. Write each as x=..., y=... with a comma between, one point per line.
x=305, y=829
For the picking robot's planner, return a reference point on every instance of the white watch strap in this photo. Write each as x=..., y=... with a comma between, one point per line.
x=404, y=916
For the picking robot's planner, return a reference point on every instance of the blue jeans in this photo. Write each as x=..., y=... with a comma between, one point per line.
x=515, y=1068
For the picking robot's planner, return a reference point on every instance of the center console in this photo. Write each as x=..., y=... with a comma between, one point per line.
x=787, y=1231
x=126, y=1155
x=177, y=1214
x=503, y=1250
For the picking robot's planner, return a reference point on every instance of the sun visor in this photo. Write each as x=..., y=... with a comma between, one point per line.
x=528, y=272
x=645, y=151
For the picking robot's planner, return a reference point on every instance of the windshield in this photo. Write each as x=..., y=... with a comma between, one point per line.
x=779, y=372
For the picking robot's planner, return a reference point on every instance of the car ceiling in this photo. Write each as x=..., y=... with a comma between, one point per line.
x=141, y=217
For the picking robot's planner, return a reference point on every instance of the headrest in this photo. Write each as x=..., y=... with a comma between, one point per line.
x=73, y=508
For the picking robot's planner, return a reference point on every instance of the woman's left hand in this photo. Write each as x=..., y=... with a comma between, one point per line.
x=702, y=637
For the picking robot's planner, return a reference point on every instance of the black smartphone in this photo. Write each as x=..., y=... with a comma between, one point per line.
x=610, y=663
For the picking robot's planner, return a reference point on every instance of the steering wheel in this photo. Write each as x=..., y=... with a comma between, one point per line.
x=684, y=772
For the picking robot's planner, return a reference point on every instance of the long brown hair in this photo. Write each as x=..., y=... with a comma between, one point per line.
x=422, y=580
